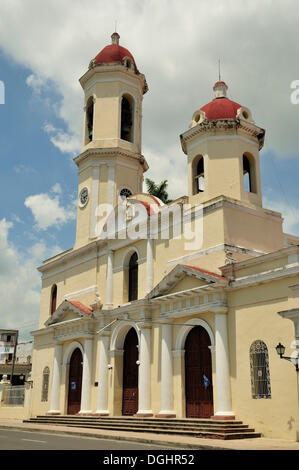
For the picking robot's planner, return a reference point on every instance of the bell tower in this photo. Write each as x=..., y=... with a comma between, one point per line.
x=222, y=146
x=110, y=164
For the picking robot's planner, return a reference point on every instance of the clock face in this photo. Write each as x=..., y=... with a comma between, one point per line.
x=83, y=197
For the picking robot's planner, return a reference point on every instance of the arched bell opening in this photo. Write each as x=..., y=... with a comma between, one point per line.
x=126, y=131
x=198, y=175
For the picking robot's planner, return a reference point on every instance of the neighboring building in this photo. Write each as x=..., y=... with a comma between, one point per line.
x=152, y=326
x=21, y=367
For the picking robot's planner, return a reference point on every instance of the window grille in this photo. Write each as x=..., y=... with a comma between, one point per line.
x=45, y=386
x=259, y=368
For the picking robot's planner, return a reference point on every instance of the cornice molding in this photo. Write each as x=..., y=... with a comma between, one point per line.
x=116, y=68
x=228, y=126
x=112, y=151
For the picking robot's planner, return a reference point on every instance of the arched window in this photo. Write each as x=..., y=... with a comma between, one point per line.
x=53, y=299
x=126, y=132
x=259, y=370
x=89, y=119
x=249, y=174
x=198, y=175
x=133, y=277
x=45, y=384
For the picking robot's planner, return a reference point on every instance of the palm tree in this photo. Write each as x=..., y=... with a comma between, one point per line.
x=158, y=190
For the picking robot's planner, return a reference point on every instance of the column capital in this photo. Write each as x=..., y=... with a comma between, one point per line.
x=220, y=310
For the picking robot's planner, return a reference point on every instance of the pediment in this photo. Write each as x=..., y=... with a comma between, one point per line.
x=185, y=277
x=69, y=310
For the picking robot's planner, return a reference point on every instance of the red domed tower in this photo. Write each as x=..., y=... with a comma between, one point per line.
x=222, y=145
x=110, y=164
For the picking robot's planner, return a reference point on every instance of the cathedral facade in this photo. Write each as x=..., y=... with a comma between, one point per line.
x=169, y=309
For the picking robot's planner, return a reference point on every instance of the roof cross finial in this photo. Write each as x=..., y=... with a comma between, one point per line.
x=219, y=70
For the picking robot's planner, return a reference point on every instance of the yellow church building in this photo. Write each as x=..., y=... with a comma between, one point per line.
x=169, y=310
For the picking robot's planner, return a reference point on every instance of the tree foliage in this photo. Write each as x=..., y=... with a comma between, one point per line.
x=158, y=190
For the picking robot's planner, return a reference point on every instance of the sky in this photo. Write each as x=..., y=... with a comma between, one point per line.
x=45, y=47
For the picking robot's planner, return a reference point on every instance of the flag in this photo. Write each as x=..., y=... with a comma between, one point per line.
x=206, y=381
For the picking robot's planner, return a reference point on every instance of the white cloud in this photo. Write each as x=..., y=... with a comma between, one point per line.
x=57, y=188
x=65, y=142
x=25, y=170
x=48, y=212
x=290, y=214
x=36, y=83
x=20, y=281
x=161, y=163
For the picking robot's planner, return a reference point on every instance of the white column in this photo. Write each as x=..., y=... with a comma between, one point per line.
x=149, y=265
x=223, y=389
x=109, y=280
x=94, y=200
x=86, y=377
x=103, y=375
x=166, y=372
x=54, y=403
x=144, y=382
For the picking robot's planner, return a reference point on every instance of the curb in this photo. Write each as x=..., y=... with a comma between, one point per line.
x=174, y=445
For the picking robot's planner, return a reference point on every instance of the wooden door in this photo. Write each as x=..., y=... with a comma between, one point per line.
x=130, y=374
x=198, y=370
x=75, y=383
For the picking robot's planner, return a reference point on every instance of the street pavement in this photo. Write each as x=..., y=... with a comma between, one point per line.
x=11, y=439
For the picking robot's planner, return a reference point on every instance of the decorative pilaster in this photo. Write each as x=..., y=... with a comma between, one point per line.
x=86, y=377
x=144, y=387
x=94, y=200
x=103, y=375
x=111, y=185
x=54, y=403
x=149, y=265
x=109, y=280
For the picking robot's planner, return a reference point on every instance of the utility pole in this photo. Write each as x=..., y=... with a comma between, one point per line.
x=16, y=335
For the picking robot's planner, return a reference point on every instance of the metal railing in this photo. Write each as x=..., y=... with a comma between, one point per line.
x=14, y=395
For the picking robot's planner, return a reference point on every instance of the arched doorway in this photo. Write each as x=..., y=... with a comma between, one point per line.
x=198, y=374
x=130, y=374
x=75, y=382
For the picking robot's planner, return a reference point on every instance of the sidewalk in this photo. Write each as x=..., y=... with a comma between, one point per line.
x=174, y=442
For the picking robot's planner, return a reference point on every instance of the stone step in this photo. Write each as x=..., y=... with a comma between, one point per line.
x=156, y=422
x=196, y=427
x=156, y=426
x=186, y=421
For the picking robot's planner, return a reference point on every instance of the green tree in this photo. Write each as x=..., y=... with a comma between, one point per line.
x=158, y=190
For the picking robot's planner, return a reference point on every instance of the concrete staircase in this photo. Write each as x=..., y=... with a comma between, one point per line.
x=202, y=428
